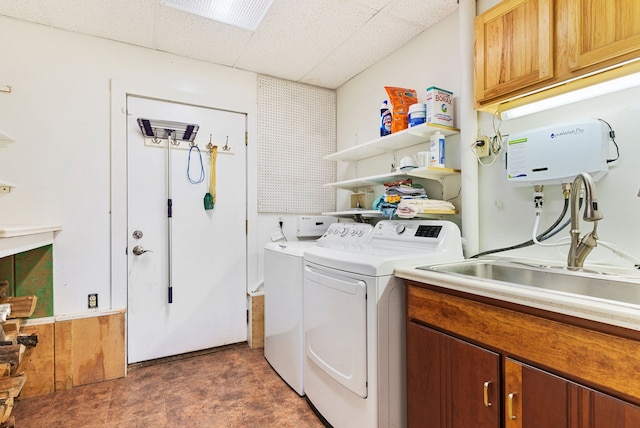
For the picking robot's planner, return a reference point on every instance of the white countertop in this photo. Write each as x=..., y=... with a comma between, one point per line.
x=605, y=311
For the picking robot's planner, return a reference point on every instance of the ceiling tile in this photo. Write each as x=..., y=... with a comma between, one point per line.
x=371, y=43
x=374, y=4
x=28, y=10
x=297, y=35
x=130, y=21
x=199, y=38
x=423, y=12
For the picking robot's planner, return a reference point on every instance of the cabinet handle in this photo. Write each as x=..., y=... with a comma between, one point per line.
x=486, y=394
x=510, y=398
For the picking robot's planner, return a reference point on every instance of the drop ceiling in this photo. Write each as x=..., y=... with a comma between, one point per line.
x=319, y=42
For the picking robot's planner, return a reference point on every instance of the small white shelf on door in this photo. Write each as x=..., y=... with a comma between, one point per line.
x=432, y=173
x=398, y=140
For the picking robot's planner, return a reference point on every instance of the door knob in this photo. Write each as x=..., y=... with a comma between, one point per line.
x=138, y=250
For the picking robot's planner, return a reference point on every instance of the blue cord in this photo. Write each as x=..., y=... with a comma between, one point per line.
x=201, y=179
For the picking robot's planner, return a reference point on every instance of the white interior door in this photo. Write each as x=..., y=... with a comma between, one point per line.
x=208, y=247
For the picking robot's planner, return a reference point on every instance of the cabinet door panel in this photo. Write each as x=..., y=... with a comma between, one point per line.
x=534, y=398
x=544, y=399
x=592, y=409
x=602, y=29
x=423, y=377
x=445, y=382
x=475, y=383
x=506, y=56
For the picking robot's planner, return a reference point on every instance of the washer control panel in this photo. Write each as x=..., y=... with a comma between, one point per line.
x=434, y=234
x=348, y=233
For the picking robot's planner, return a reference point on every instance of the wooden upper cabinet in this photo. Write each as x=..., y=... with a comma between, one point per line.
x=524, y=46
x=599, y=30
x=513, y=47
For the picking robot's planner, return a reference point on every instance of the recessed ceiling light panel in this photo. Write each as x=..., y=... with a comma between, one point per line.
x=246, y=14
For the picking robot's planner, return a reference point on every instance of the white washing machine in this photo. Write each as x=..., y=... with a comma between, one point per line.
x=354, y=320
x=283, y=285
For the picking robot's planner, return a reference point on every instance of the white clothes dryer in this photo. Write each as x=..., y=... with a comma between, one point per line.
x=354, y=320
x=283, y=291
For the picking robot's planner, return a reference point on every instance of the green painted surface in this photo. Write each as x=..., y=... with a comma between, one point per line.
x=34, y=276
x=6, y=273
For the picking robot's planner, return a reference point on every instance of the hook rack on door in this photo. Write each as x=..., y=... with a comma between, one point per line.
x=226, y=149
x=158, y=131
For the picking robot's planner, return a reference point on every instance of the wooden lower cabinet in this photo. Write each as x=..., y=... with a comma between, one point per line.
x=450, y=383
x=541, y=399
x=453, y=383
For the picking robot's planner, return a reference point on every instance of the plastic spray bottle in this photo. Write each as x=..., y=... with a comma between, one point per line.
x=385, y=119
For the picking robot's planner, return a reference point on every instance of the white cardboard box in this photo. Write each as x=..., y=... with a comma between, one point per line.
x=439, y=106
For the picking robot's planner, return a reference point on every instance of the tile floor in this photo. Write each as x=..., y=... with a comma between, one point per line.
x=232, y=387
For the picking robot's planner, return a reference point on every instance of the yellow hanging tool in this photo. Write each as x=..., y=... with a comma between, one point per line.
x=210, y=197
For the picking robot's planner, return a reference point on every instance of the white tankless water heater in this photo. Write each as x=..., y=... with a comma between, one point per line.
x=556, y=154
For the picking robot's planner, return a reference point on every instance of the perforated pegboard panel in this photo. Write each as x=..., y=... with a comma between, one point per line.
x=296, y=128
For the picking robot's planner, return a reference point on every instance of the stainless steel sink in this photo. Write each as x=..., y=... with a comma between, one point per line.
x=620, y=287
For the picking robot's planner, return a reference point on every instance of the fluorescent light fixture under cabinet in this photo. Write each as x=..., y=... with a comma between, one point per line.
x=574, y=96
x=245, y=14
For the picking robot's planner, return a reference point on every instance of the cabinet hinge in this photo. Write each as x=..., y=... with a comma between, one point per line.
x=246, y=138
x=246, y=227
x=247, y=316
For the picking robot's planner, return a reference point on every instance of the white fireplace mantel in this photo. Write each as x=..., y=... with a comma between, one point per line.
x=17, y=238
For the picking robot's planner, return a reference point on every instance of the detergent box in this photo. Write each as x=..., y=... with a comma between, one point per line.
x=439, y=106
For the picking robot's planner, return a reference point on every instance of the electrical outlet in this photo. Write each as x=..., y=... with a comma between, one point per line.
x=92, y=301
x=482, y=147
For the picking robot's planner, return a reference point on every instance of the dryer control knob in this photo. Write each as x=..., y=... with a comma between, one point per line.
x=344, y=231
x=400, y=229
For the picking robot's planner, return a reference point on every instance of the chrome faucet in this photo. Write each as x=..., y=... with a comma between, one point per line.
x=580, y=248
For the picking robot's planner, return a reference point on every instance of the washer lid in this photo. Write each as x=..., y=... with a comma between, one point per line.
x=292, y=248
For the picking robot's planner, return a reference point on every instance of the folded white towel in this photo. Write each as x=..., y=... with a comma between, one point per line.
x=409, y=208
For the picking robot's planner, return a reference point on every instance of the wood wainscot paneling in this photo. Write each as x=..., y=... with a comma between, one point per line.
x=63, y=361
x=97, y=348
x=38, y=361
x=257, y=321
x=74, y=352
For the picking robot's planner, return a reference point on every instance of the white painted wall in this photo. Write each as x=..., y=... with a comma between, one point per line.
x=59, y=115
x=505, y=213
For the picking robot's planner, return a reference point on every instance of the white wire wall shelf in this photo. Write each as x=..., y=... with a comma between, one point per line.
x=398, y=140
x=432, y=173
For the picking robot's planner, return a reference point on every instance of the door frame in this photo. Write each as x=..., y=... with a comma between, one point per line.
x=221, y=97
